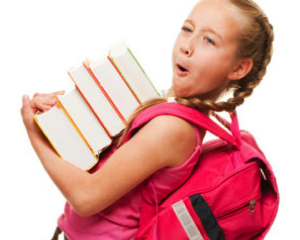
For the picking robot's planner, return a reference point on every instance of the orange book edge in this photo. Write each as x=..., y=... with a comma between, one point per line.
x=78, y=130
x=86, y=64
x=99, y=119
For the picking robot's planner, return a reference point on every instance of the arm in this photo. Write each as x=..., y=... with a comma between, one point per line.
x=145, y=153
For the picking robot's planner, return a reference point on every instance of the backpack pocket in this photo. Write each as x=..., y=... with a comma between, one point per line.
x=244, y=221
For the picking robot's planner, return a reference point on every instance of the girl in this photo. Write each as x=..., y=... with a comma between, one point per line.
x=223, y=45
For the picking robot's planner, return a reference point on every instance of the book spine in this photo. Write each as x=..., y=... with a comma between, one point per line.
x=124, y=79
x=86, y=65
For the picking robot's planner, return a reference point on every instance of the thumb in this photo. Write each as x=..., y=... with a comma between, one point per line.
x=25, y=101
x=26, y=109
x=27, y=115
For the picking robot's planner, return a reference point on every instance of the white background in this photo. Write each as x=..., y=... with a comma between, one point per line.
x=42, y=40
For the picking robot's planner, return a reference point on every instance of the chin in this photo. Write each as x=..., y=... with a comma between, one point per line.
x=180, y=93
x=178, y=89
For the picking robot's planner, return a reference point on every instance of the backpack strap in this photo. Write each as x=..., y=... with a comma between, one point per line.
x=191, y=115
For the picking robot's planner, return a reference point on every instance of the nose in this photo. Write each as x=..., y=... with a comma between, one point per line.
x=186, y=51
x=187, y=48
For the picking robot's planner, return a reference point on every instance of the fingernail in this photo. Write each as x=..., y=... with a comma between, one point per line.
x=24, y=99
x=25, y=96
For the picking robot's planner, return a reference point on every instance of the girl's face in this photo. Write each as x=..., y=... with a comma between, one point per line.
x=204, y=54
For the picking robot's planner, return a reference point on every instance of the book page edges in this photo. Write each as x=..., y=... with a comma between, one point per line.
x=87, y=64
x=78, y=130
x=124, y=79
x=131, y=53
x=87, y=169
x=99, y=119
x=37, y=122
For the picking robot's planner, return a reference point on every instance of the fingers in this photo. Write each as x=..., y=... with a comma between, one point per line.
x=45, y=101
x=59, y=92
x=53, y=93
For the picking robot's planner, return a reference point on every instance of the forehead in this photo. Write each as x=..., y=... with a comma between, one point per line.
x=218, y=15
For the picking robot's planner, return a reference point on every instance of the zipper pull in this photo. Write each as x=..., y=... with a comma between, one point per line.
x=251, y=206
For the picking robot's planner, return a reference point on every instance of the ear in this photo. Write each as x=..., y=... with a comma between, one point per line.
x=240, y=69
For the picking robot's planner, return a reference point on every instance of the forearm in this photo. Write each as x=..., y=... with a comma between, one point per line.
x=70, y=180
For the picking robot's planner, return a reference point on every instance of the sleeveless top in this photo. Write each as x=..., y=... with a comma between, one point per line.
x=121, y=219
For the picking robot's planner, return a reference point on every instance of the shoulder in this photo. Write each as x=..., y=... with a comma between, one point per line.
x=172, y=140
x=171, y=126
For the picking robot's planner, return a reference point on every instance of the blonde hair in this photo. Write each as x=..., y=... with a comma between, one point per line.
x=255, y=42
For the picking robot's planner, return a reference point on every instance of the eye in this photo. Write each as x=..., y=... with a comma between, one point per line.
x=209, y=41
x=186, y=29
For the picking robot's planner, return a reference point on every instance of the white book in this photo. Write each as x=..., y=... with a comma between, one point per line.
x=116, y=88
x=132, y=72
x=85, y=120
x=97, y=100
x=64, y=138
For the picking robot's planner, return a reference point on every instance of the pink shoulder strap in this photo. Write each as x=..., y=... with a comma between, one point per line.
x=193, y=116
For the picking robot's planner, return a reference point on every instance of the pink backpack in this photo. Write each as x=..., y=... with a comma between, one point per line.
x=231, y=194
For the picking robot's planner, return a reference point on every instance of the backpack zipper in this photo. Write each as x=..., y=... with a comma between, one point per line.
x=250, y=204
x=202, y=191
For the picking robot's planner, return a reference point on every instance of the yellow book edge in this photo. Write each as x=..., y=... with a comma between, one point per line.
x=37, y=122
x=79, y=132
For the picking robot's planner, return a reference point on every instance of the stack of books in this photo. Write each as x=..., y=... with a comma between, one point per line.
x=82, y=123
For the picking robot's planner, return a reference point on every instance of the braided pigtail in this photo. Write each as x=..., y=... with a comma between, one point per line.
x=256, y=42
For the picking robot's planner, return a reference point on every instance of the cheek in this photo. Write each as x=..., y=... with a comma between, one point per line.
x=175, y=51
x=211, y=76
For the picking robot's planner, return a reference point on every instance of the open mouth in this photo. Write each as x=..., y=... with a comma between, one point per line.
x=181, y=68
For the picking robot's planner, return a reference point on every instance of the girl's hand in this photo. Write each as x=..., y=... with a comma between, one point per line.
x=39, y=102
x=43, y=102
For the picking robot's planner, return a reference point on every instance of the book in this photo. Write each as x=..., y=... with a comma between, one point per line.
x=116, y=89
x=64, y=138
x=132, y=72
x=84, y=121
x=96, y=99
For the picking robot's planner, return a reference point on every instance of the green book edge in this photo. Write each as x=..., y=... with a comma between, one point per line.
x=128, y=84
x=131, y=53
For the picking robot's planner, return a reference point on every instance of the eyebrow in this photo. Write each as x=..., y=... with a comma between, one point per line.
x=205, y=30
x=209, y=30
x=190, y=22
